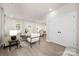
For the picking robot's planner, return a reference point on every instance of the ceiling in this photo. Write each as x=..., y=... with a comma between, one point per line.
x=30, y=11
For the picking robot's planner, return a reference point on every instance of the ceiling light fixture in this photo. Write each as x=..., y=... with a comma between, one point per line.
x=53, y=13
x=50, y=9
x=12, y=4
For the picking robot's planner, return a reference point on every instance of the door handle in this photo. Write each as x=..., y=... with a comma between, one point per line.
x=59, y=32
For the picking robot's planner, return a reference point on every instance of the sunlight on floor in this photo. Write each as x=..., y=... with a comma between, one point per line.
x=71, y=52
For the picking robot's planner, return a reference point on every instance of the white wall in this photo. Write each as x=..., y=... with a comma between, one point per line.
x=10, y=24
x=64, y=21
x=0, y=26
x=77, y=26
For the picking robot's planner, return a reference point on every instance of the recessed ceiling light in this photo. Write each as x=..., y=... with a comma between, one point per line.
x=50, y=9
x=12, y=4
x=53, y=13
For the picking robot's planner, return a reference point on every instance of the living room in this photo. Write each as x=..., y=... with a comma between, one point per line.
x=39, y=29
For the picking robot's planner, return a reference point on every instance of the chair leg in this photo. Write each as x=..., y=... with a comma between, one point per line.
x=39, y=42
x=30, y=44
x=9, y=48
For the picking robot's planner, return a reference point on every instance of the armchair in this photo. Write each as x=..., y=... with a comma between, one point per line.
x=33, y=38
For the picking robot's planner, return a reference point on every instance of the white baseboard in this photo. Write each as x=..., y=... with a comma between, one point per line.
x=54, y=42
x=48, y=40
x=61, y=45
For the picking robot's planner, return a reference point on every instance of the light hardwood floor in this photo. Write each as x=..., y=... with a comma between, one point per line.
x=44, y=49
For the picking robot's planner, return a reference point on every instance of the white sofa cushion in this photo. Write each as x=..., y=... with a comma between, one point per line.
x=35, y=34
x=33, y=40
x=34, y=37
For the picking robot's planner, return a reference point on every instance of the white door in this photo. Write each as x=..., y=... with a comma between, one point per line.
x=61, y=29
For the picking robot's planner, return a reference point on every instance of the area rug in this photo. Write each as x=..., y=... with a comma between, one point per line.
x=23, y=44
